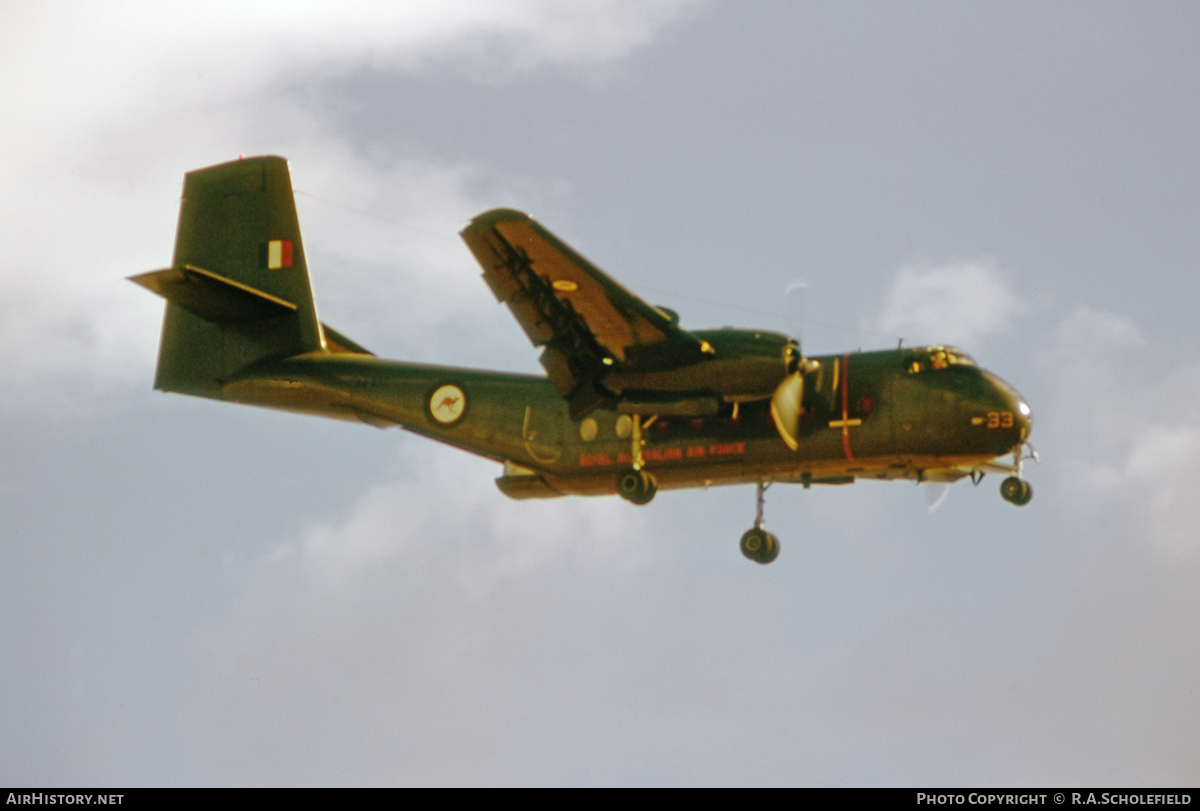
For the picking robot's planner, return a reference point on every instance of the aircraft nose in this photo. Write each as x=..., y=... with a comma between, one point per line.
x=1023, y=416
x=1011, y=402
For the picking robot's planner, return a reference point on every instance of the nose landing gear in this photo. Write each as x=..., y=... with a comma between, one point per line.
x=1015, y=489
x=758, y=544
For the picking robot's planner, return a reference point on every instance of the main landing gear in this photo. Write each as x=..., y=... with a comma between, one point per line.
x=758, y=544
x=1015, y=489
x=636, y=484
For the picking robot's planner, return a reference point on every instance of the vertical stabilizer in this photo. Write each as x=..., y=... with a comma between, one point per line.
x=238, y=289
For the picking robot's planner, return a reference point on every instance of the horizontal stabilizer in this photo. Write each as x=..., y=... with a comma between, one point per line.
x=212, y=296
x=224, y=301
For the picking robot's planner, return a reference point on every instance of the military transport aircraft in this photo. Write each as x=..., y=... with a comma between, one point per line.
x=630, y=403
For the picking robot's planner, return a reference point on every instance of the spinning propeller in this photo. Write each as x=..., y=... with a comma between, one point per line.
x=787, y=403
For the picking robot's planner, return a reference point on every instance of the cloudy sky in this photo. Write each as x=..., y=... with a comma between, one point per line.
x=201, y=593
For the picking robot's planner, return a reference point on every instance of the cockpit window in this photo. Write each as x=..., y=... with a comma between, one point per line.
x=938, y=357
x=956, y=357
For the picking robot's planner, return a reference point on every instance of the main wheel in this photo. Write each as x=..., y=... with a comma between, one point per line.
x=760, y=546
x=636, y=486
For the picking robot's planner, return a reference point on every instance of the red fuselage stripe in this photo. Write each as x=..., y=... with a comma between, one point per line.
x=846, y=406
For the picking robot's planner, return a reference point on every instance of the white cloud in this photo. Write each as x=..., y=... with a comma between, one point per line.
x=386, y=260
x=1124, y=436
x=1163, y=471
x=441, y=634
x=1094, y=334
x=951, y=303
x=1148, y=471
x=68, y=65
x=109, y=103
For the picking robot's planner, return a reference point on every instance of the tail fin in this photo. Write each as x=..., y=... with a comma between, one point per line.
x=237, y=290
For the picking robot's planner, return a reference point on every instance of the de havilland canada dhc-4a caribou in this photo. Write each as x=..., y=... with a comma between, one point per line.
x=630, y=403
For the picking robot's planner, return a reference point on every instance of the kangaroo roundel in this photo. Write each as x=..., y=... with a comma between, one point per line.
x=448, y=404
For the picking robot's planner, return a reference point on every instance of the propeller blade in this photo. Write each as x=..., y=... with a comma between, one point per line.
x=786, y=405
x=936, y=495
x=794, y=296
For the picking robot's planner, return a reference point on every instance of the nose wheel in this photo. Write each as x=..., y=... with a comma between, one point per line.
x=1016, y=491
x=758, y=544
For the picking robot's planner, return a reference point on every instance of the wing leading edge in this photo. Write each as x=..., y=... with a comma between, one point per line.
x=589, y=325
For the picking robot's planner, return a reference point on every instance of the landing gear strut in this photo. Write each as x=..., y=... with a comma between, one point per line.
x=1015, y=489
x=636, y=484
x=758, y=544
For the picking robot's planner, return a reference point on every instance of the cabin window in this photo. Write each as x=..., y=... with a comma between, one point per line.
x=588, y=429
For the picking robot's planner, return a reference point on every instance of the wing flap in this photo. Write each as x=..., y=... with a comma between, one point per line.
x=541, y=279
x=509, y=274
x=611, y=313
x=587, y=321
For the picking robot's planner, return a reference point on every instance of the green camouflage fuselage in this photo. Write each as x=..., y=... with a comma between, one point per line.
x=930, y=424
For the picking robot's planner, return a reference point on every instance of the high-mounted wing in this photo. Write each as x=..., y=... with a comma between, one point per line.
x=589, y=324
